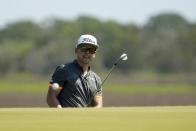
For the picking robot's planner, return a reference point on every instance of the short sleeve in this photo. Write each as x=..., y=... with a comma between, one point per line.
x=58, y=76
x=99, y=88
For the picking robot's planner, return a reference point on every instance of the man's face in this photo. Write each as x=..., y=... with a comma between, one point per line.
x=85, y=53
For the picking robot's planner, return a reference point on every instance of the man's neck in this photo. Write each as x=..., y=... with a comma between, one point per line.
x=84, y=66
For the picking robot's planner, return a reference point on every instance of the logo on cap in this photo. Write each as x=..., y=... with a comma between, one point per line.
x=88, y=40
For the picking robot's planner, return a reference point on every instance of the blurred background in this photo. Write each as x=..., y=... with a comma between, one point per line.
x=158, y=36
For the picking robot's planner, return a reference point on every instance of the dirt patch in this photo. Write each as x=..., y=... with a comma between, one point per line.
x=110, y=99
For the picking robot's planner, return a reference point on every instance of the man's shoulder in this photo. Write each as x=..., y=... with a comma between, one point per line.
x=62, y=71
x=63, y=67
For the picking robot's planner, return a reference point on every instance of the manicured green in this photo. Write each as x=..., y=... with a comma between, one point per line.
x=176, y=118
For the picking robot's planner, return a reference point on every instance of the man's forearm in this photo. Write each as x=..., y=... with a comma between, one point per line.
x=52, y=100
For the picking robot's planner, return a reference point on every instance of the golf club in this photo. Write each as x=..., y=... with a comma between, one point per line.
x=122, y=57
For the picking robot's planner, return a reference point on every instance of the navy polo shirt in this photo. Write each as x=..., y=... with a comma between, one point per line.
x=78, y=90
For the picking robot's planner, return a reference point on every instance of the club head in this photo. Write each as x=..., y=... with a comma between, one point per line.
x=124, y=56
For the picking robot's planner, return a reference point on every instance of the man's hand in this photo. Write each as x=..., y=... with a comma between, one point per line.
x=98, y=100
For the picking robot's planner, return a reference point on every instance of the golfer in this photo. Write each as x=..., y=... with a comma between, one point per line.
x=79, y=86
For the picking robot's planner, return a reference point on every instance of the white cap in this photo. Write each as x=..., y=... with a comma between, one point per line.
x=88, y=39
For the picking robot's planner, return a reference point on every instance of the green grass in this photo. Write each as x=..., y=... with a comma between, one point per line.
x=42, y=87
x=23, y=87
x=151, y=89
x=177, y=83
x=182, y=118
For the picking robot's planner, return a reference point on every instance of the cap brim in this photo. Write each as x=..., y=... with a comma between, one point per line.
x=96, y=46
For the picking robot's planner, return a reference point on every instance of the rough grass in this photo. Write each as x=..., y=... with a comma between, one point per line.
x=105, y=119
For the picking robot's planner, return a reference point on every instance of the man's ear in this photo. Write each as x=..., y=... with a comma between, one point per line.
x=76, y=50
x=94, y=54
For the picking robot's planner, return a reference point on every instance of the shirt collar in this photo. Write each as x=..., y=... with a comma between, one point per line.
x=79, y=67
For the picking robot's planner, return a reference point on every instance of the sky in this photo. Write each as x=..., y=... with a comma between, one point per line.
x=121, y=11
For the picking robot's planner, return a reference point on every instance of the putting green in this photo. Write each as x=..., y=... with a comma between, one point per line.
x=176, y=118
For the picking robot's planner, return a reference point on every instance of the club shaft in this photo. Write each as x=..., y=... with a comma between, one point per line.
x=102, y=83
x=114, y=65
x=108, y=74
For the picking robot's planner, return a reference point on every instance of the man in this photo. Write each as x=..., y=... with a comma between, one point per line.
x=79, y=86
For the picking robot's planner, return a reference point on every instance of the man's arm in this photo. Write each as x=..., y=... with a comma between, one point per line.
x=52, y=100
x=98, y=100
x=57, y=77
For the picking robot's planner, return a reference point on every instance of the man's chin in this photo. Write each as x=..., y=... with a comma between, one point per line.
x=85, y=61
